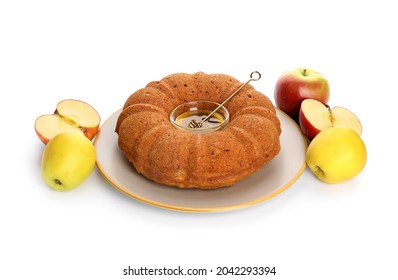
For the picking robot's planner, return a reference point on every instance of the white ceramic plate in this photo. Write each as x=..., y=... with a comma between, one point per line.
x=274, y=178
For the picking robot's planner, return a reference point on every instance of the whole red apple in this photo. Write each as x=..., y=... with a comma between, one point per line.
x=292, y=87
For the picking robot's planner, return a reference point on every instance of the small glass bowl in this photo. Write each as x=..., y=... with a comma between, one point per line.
x=198, y=110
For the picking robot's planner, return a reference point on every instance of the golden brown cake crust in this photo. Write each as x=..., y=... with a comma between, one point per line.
x=174, y=157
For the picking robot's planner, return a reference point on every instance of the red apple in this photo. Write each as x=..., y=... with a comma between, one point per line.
x=70, y=115
x=294, y=86
x=315, y=116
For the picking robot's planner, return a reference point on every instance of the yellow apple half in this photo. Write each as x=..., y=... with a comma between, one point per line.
x=314, y=116
x=70, y=115
x=336, y=154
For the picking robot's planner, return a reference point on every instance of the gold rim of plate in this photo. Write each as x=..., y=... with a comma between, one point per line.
x=231, y=207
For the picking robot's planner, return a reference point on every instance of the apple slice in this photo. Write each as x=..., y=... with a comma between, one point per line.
x=315, y=116
x=70, y=115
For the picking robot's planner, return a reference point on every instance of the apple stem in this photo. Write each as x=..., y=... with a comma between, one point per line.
x=305, y=72
x=331, y=118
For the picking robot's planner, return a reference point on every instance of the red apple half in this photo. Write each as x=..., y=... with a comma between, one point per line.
x=315, y=116
x=292, y=87
x=70, y=115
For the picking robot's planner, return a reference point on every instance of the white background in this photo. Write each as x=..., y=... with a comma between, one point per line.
x=102, y=51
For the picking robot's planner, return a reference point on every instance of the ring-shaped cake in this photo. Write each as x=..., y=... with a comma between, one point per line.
x=179, y=158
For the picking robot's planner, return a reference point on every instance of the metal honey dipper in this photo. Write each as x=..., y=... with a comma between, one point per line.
x=254, y=76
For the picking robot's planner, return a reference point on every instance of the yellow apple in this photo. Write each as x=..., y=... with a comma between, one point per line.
x=336, y=154
x=68, y=159
x=70, y=115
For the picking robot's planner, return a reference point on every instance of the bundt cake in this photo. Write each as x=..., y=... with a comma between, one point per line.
x=179, y=158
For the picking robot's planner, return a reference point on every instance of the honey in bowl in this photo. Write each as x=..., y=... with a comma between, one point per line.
x=185, y=118
x=184, y=114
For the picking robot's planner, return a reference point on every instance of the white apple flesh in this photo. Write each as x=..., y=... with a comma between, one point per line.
x=49, y=126
x=70, y=115
x=315, y=116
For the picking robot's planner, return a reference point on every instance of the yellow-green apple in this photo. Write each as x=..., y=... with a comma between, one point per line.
x=70, y=115
x=68, y=159
x=315, y=116
x=336, y=154
x=292, y=87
